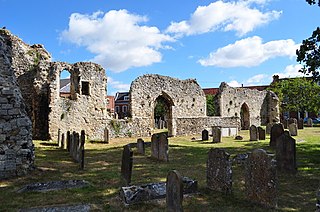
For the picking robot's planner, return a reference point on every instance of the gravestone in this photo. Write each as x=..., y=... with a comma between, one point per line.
x=300, y=124
x=261, y=179
x=155, y=146
x=174, y=192
x=293, y=129
x=126, y=165
x=253, y=133
x=59, y=138
x=309, y=122
x=261, y=133
x=76, y=152
x=205, y=135
x=216, y=134
x=286, y=153
x=163, y=147
x=68, y=140
x=276, y=131
x=83, y=140
x=268, y=128
x=219, y=171
x=106, y=135
x=140, y=146
x=292, y=120
x=63, y=143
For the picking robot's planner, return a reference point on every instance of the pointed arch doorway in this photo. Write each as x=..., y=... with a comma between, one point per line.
x=245, y=117
x=163, y=112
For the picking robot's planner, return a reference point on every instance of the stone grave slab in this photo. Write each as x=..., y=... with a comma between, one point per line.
x=174, y=192
x=286, y=153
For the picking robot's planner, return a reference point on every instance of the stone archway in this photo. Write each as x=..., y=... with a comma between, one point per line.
x=163, y=111
x=245, y=117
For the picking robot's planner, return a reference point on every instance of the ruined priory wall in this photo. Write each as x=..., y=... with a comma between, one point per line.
x=192, y=126
x=231, y=99
x=16, y=147
x=187, y=97
x=82, y=111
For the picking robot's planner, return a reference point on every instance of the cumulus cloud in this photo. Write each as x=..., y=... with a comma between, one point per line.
x=234, y=83
x=226, y=16
x=291, y=71
x=117, y=38
x=257, y=79
x=249, y=52
x=118, y=85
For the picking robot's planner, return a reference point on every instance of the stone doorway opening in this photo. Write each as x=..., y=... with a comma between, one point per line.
x=163, y=113
x=245, y=117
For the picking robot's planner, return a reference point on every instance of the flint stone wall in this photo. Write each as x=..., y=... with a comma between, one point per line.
x=16, y=147
x=39, y=82
x=263, y=105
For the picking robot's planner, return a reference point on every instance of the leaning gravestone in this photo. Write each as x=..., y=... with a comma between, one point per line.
x=262, y=133
x=254, y=133
x=300, y=124
x=309, y=122
x=106, y=135
x=276, y=131
x=216, y=134
x=140, y=146
x=261, y=179
x=219, y=171
x=174, y=192
x=286, y=153
x=205, y=135
x=126, y=165
x=293, y=129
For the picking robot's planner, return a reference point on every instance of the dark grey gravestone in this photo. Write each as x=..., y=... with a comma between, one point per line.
x=219, y=171
x=276, y=131
x=155, y=146
x=205, y=135
x=140, y=146
x=77, y=148
x=174, y=192
x=126, y=165
x=163, y=147
x=286, y=153
x=253, y=133
x=82, y=140
x=216, y=134
x=262, y=133
x=106, y=135
x=63, y=143
x=300, y=124
x=309, y=122
x=68, y=140
x=261, y=179
x=59, y=138
x=293, y=129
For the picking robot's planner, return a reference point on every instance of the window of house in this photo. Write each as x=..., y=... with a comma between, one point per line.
x=126, y=98
x=117, y=109
x=124, y=108
x=85, y=88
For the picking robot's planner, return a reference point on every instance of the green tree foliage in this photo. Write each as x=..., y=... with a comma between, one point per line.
x=309, y=52
x=298, y=94
x=161, y=108
x=211, y=110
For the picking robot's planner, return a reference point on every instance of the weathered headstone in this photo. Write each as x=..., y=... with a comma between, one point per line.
x=309, y=122
x=219, y=171
x=59, y=138
x=140, y=146
x=286, y=153
x=300, y=124
x=174, y=192
x=216, y=134
x=205, y=135
x=261, y=179
x=155, y=146
x=268, y=127
x=83, y=140
x=126, y=165
x=253, y=133
x=293, y=129
x=68, y=140
x=106, y=135
x=262, y=133
x=163, y=147
x=276, y=131
x=292, y=120
x=63, y=143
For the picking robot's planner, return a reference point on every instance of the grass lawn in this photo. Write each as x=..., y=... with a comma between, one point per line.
x=102, y=171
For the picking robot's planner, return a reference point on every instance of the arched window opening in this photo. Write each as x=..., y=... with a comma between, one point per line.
x=245, y=117
x=65, y=84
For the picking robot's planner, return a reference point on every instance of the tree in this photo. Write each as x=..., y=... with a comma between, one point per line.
x=211, y=110
x=309, y=52
x=297, y=94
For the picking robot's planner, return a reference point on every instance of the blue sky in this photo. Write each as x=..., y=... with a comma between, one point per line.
x=238, y=42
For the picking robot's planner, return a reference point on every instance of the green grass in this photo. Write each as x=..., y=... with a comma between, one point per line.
x=102, y=171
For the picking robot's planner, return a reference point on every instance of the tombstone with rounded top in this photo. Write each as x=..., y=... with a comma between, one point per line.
x=174, y=192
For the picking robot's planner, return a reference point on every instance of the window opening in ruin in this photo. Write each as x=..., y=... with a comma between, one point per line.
x=163, y=113
x=245, y=117
x=65, y=84
x=124, y=108
x=85, y=88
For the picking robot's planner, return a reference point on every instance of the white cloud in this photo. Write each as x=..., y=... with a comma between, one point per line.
x=291, y=71
x=249, y=52
x=256, y=79
x=117, y=38
x=226, y=16
x=234, y=83
x=118, y=85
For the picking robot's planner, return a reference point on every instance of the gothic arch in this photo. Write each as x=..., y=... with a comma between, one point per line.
x=245, y=116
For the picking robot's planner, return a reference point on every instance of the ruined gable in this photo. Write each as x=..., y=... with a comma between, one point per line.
x=16, y=147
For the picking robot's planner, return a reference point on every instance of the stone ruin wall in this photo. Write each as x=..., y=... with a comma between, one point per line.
x=39, y=81
x=263, y=105
x=16, y=147
x=186, y=97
